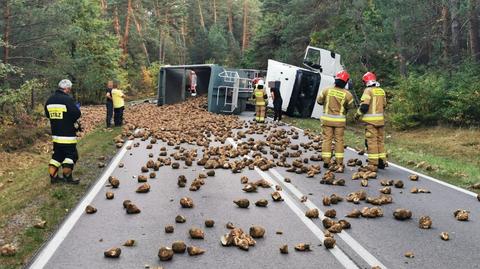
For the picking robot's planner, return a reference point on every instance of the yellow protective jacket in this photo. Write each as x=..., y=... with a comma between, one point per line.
x=336, y=102
x=117, y=98
x=260, y=96
x=376, y=100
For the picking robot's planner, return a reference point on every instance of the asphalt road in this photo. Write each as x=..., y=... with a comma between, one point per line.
x=83, y=238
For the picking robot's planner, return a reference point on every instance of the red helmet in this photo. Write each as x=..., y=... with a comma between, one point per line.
x=369, y=76
x=343, y=75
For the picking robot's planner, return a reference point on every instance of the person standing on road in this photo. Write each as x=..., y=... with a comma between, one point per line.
x=118, y=104
x=277, y=103
x=109, y=103
x=63, y=114
x=336, y=102
x=371, y=113
x=260, y=96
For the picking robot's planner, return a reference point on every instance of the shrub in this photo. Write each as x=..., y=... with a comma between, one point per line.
x=418, y=99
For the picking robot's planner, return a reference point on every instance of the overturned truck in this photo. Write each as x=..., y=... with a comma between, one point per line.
x=227, y=89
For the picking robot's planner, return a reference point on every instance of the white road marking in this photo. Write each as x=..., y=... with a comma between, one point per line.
x=48, y=251
x=336, y=251
x=433, y=179
x=359, y=249
x=411, y=171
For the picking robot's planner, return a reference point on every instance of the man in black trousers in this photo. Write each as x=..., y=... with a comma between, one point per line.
x=277, y=100
x=109, y=103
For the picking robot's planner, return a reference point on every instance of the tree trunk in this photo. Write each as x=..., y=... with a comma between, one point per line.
x=127, y=28
x=245, y=26
x=473, y=31
x=399, y=44
x=6, y=31
x=116, y=26
x=214, y=11
x=104, y=6
x=202, y=21
x=455, y=31
x=139, y=31
x=230, y=16
x=446, y=33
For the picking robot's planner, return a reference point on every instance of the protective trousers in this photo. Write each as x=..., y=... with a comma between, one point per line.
x=260, y=113
x=375, y=137
x=329, y=134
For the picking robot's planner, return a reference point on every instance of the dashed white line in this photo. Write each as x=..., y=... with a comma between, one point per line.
x=48, y=251
x=359, y=249
x=336, y=251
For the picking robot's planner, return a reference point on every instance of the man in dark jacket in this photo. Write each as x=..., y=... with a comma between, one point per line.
x=277, y=102
x=109, y=103
x=63, y=114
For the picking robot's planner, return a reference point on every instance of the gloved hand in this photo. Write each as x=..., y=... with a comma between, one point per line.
x=77, y=126
x=77, y=104
x=357, y=116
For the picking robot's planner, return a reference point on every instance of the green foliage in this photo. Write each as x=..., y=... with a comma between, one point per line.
x=16, y=102
x=418, y=99
x=217, y=43
x=90, y=54
x=437, y=97
x=463, y=95
x=154, y=70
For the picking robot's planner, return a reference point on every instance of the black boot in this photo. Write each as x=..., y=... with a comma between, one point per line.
x=381, y=164
x=55, y=179
x=69, y=180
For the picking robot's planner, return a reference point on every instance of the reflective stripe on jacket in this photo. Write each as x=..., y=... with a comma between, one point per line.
x=62, y=112
x=259, y=95
x=376, y=100
x=336, y=102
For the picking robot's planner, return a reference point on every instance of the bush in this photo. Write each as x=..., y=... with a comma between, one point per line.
x=418, y=100
x=437, y=97
x=16, y=102
x=464, y=96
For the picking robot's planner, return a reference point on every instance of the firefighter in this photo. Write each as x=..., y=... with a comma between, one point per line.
x=336, y=101
x=260, y=96
x=371, y=113
x=63, y=113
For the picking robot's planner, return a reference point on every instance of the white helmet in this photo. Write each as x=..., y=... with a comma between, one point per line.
x=261, y=83
x=64, y=84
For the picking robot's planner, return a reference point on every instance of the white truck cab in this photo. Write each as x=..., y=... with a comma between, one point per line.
x=300, y=87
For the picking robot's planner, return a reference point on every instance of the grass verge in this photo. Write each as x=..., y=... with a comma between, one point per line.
x=30, y=196
x=449, y=154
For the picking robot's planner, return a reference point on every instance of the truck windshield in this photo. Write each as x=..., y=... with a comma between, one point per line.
x=312, y=59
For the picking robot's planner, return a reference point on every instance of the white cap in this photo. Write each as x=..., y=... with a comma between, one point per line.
x=261, y=82
x=64, y=84
x=373, y=83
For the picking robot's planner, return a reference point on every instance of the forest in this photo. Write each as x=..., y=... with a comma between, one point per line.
x=425, y=53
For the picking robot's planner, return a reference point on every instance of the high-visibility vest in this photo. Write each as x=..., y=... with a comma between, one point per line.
x=376, y=99
x=335, y=103
x=259, y=95
x=117, y=98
